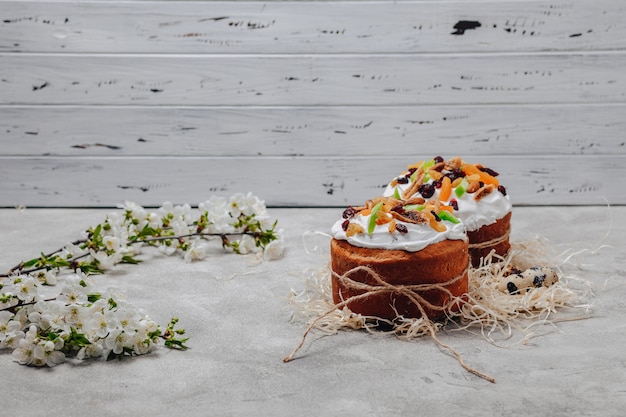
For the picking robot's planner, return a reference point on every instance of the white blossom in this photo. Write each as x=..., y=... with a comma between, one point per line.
x=197, y=251
x=247, y=244
x=274, y=250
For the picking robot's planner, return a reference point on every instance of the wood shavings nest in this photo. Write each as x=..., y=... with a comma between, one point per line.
x=487, y=311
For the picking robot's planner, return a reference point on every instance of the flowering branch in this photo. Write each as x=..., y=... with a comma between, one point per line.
x=82, y=323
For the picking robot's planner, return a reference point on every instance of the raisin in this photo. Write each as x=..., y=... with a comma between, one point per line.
x=412, y=215
x=489, y=171
x=437, y=183
x=454, y=204
x=502, y=189
x=402, y=180
x=345, y=225
x=437, y=218
x=426, y=190
x=401, y=228
x=349, y=213
x=399, y=209
x=511, y=288
x=455, y=173
x=438, y=159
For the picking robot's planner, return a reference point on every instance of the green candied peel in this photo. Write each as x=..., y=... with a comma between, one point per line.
x=461, y=188
x=373, y=216
x=396, y=194
x=446, y=215
x=424, y=166
x=414, y=207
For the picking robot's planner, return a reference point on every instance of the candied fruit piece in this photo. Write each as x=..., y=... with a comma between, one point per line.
x=473, y=187
x=353, y=229
x=488, y=171
x=372, y=222
x=349, y=213
x=401, y=228
x=483, y=192
x=447, y=216
x=426, y=190
x=345, y=225
x=392, y=225
x=502, y=189
x=438, y=226
x=446, y=189
x=485, y=177
x=383, y=218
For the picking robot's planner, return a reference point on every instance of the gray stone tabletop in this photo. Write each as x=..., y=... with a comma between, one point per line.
x=236, y=313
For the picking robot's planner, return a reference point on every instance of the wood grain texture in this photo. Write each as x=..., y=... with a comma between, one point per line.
x=307, y=103
x=311, y=26
x=381, y=131
x=286, y=181
x=313, y=79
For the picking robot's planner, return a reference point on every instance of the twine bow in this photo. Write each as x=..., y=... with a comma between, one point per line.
x=409, y=291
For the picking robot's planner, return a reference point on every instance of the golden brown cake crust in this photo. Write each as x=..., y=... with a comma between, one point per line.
x=435, y=264
x=497, y=230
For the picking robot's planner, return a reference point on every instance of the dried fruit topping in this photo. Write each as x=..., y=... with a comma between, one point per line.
x=454, y=204
x=502, y=189
x=438, y=159
x=392, y=226
x=426, y=190
x=399, y=209
x=473, y=187
x=446, y=189
x=488, y=171
x=453, y=163
x=434, y=174
x=438, y=226
x=445, y=215
x=402, y=180
x=345, y=225
x=437, y=218
x=373, y=216
x=455, y=173
x=401, y=228
x=349, y=212
x=485, y=177
x=353, y=229
x=484, y=192
x=461, y=188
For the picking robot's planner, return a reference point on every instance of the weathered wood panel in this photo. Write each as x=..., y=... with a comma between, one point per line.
x=286, y=181
x=307, y=102
x=311, y=26
x=374, y=131
x=313, y=79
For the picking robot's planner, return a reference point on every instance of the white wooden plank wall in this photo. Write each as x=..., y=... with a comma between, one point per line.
x=307, y=103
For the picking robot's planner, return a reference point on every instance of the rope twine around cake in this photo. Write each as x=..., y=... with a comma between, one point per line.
x=492, y=242
x=409, y=291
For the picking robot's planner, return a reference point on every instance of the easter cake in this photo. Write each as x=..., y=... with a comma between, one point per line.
x=393, y=257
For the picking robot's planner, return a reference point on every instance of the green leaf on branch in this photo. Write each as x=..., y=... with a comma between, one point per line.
x=127, y=259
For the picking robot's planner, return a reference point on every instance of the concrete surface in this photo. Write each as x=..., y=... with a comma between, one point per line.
x=240, y=330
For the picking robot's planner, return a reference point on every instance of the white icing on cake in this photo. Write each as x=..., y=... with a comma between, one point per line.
x=474, y=214
x=417, y=237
